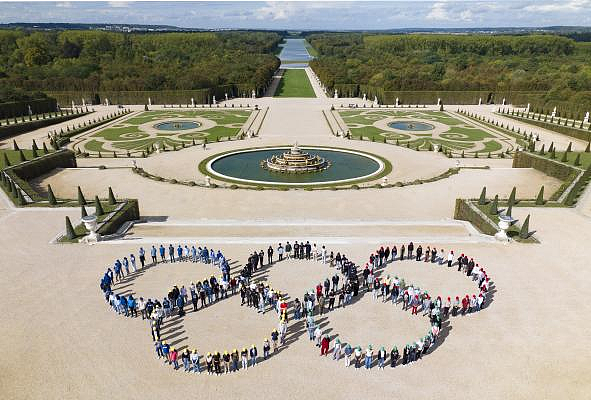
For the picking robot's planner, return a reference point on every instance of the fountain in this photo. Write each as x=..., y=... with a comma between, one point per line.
x=295, y=161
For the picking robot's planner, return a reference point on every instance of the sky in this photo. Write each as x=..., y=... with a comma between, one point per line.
x=305, y=15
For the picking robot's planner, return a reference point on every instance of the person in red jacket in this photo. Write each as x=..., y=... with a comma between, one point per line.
x=324, y=344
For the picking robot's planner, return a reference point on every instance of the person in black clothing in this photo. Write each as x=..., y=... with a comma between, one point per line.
x=419, y=253
x=296, y=249
x=433, y=254
x=270, y=255
x=302, y=250
x=261, y=257
x=308, y=250
x=411, y=247
x=387, y=253
x=287, y=250
x=331, y=299
x=402, y=248
x=394, y=357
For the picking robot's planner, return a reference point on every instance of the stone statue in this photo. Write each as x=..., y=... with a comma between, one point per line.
x=586, y=117
x=253, y=94
x=336, y=94
x=438, y=101
x=226, y=95
x=480, y=101
x=397, y=102
x=31, y=111
x=375, y=101
x=149, y=101
x=364, y=98
x=73, y=105
x=527, y=109
x=504, y=101
x=83, y=102
x=106, y=101
x=214, y=100
x=554, y=112
x=192, y=102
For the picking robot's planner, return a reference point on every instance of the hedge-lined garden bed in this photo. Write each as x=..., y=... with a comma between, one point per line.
x=36, y=122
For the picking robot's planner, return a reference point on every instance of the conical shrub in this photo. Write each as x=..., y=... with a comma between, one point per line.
x=5, y=160
x=509, y=208
x=15, y=146
x=512, y=195
x=578, y=160
x=98, y=207
x=564, y=157
x=524, y=231
x=81, y=199
x=569, y=147
x=83, y=212
x=494, y=207
x=482, y=199
x=50, y=196
x=588, y=149
x=540, y=198
x=70, y=233
x=112, y=200
x=21, y=156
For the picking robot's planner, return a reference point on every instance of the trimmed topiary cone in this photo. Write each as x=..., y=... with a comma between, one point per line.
x=524, y=231
x=34, y=146
x=570, y=147
x=564, y=157
x=482, y=199
x=588, y=149
x=50, y=196
x=70, y=233
x=45, y=151
x=21, y=156
x=509, y=208
x=112, y=200
x=512, y=195
x=494, y=207
x=98, y=207
x=35, y=154
x=542, y=152
x=81, y=199
x=5, y=160
x=83, y=212
x=578, y=160
x=540, y=198
x=553, y=154
x=15, y=146
x=551, y=148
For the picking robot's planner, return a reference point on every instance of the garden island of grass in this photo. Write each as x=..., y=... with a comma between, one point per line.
x=439, y=165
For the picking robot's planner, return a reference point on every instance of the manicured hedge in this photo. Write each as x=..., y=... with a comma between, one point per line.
x=464, y=212
x=129, y=212
x=18, y=108
x=575, y=192
x=577, y=133
x=28, y=170
x=555, y=169
x=7, y=131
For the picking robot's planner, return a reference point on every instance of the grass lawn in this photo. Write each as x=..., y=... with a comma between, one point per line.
x=14, y=157
x=295, y=83
x=585, y=158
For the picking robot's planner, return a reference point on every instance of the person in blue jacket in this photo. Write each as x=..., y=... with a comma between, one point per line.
x=180, y=302
x=162, y=254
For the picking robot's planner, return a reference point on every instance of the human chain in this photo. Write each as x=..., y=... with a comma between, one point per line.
x=346, y=283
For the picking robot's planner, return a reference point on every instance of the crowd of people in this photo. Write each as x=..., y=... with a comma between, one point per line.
x=202, y=294
x=336, y=291
x=322, y=299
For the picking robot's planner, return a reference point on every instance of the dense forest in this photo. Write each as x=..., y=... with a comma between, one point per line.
x=93, y=61
x=555, y=65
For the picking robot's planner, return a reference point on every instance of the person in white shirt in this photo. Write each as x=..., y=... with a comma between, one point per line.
x=450, y=258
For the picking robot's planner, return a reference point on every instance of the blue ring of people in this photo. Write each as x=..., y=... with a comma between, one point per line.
x=316, y=302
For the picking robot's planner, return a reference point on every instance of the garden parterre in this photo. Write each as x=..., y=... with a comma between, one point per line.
x=448, y=130
x=139, y=132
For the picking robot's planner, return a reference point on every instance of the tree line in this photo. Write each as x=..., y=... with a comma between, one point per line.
x=95, y=61
x=555, y=65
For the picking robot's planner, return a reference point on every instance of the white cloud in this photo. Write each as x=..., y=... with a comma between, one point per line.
x=118, y=4
x=438, y=12
x=63, y=4
x=276, y=11
x=572, y=5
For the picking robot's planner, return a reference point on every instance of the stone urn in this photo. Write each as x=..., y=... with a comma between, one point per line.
x=504, y=224
x=385, y=181
x=435, y=148
x=157, y=146
x=207, y=181
x=90, y=223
